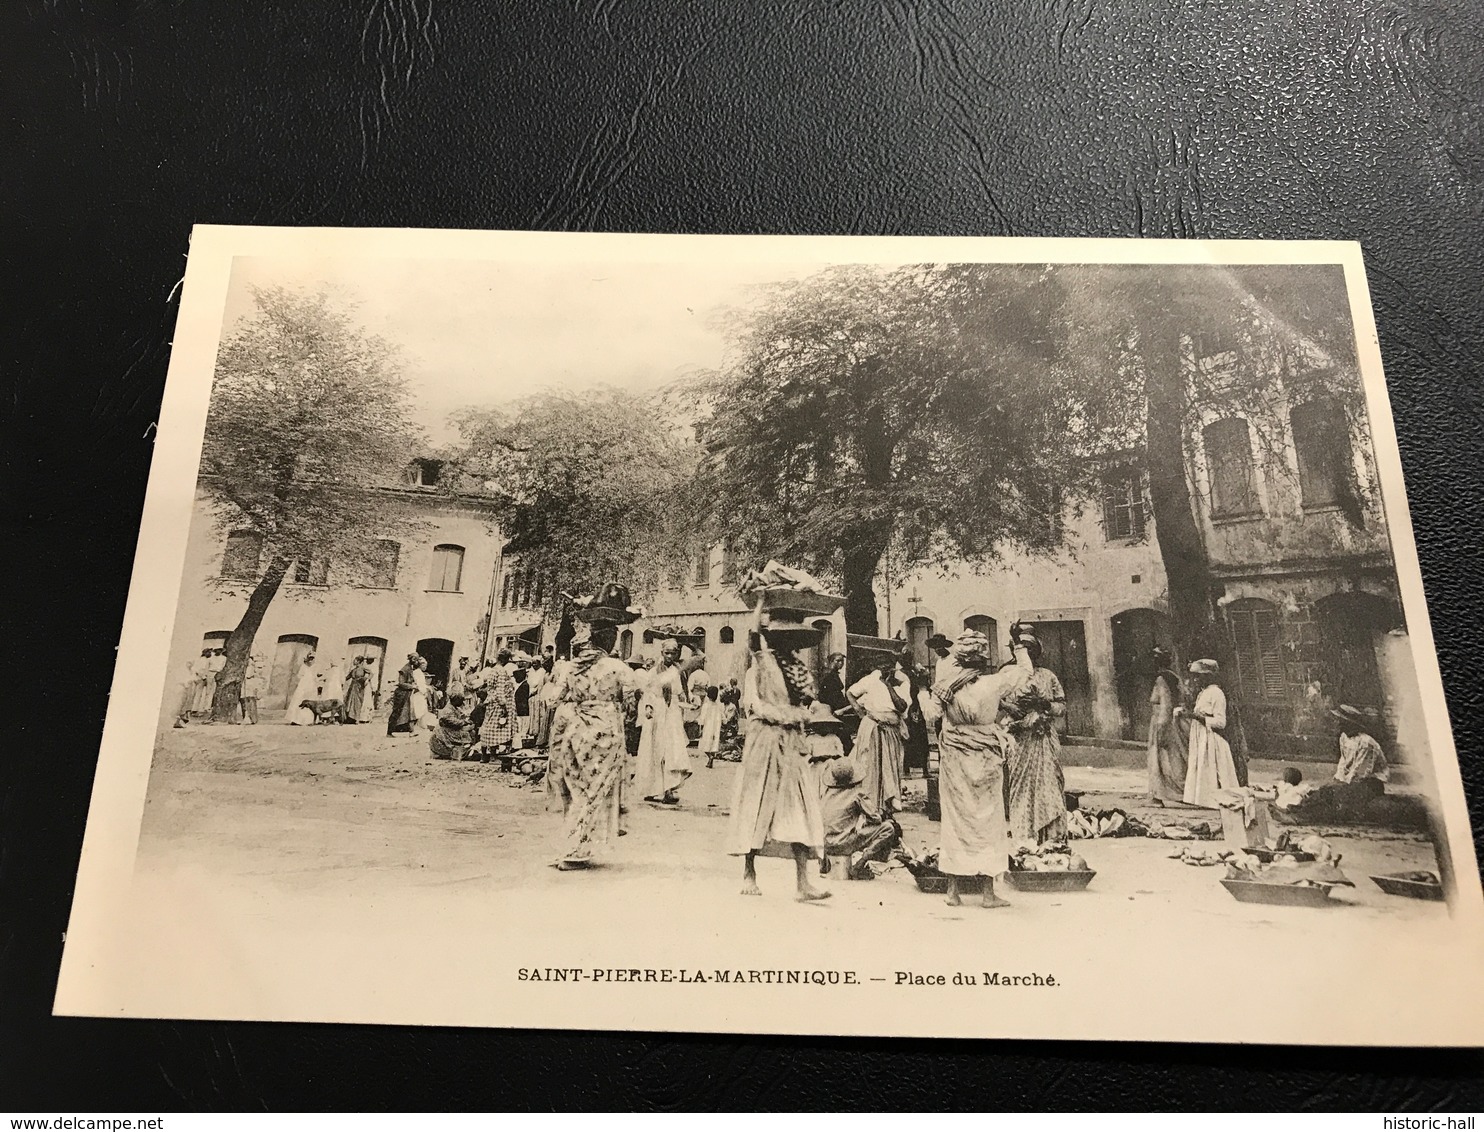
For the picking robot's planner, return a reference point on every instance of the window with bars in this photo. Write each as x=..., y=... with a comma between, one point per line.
x=1044, y=505
x=1258, y=645
x=703, y=567
x=381, y=564
x=243, y=555
x=507, y=584
x=311, y=572
x=448, y=568
x=728, y=564
x=1228, y=447
x=1123, y=506
x=1321, y=438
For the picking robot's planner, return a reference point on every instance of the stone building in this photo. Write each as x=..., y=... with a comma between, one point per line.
x=425, y=589
x=1283, y=483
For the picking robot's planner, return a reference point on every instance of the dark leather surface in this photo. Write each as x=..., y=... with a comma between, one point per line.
x=125, y=122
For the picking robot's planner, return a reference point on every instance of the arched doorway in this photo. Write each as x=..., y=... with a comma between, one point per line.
x=374, y=650
x=438, y=652
x=1136, y=632
x=1350, y=626
x=983, y=623
x=919, y=629
x=288, y=658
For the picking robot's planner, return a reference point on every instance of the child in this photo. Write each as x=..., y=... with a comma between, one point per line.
x=852, y=828
x=825, y=747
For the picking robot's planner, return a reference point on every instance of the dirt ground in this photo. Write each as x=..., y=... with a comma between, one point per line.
x=355, y=811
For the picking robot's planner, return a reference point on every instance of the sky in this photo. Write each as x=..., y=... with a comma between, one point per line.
x=483, y=332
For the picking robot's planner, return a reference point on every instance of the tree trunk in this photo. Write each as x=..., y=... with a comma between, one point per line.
x=224, y=703
x=858, y=575
x=1181, y=547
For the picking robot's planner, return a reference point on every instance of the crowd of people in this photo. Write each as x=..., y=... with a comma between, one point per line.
x=822, y=763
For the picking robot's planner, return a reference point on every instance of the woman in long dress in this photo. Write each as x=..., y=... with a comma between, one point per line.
x=882, y=698
x=497, y=731
x=420, y=703
x=973, y=751
x=399, y=718
x=1211, y=768
x=1034, y=705
x=357, y=707
x=664, y=753
x=776, y=803
x=305, y=688
x=1169, y=737
x=586, y=758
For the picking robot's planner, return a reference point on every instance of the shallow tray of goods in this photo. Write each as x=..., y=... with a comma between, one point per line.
x=799, y=601
x=1410, y=886
x=1291, y=895
x=1051, y=880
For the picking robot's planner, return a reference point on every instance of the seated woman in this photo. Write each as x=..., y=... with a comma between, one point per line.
x=1357, y=792
x=453, y=737
x=852, y=827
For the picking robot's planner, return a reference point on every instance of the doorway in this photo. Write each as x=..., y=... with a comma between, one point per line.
x=438, y=652
x=983, y=623
x=374, y=650
x=1350, y=625
x=1064, y=651
x=1136, y=633
x=288, y=658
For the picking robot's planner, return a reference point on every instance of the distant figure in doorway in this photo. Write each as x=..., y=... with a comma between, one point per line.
x=458, y=679
x=252, y=689
x=454, y=736
x=421, y=702
x=1035, y=705
x=204, y=684
x=400, y=720
x=1210, y=768
x=357, y=692
x=522, y=706
x=1169, y=735
x=303, y=689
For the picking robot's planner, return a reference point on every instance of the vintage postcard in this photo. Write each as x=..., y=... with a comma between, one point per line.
x=850, y=636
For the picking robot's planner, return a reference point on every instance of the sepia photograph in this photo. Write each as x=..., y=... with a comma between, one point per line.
x=909, y=637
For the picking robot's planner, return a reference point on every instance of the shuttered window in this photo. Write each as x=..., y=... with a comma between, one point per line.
x=1123, y=506
x=1257, y=642
x=448, y=568
x=1229, y=461
x=1321, y=437
x=381, y=564
x=243, y=555
x=311, y=572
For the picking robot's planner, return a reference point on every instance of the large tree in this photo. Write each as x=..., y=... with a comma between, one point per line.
x=587, y=487
x=924, y=409
x=1281, y=334
x=309, y=412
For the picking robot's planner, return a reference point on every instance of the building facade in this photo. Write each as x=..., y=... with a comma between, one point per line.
x=1283, y=485
x=424, y=588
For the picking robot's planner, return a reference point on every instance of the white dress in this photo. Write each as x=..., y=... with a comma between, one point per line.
x=1210, y=767
x=664, y=754
x=306, y=687
x=421, y=716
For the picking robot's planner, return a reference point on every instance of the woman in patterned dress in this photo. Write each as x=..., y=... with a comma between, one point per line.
x=497, y=732
x=587, y=760
x=1034, y=705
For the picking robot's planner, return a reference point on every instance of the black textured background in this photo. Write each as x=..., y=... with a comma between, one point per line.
x=125, y=122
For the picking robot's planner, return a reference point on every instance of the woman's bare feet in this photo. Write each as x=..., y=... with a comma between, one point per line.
x=954, y=900
x=749, y=877
x=990, y=899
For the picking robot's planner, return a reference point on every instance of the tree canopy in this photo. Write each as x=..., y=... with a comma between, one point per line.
x=587, y=487
x=924, y=407
x=308, y=411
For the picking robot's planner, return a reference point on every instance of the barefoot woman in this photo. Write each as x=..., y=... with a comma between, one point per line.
x=973, y=750
x=775, y=807
x=587, y=759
